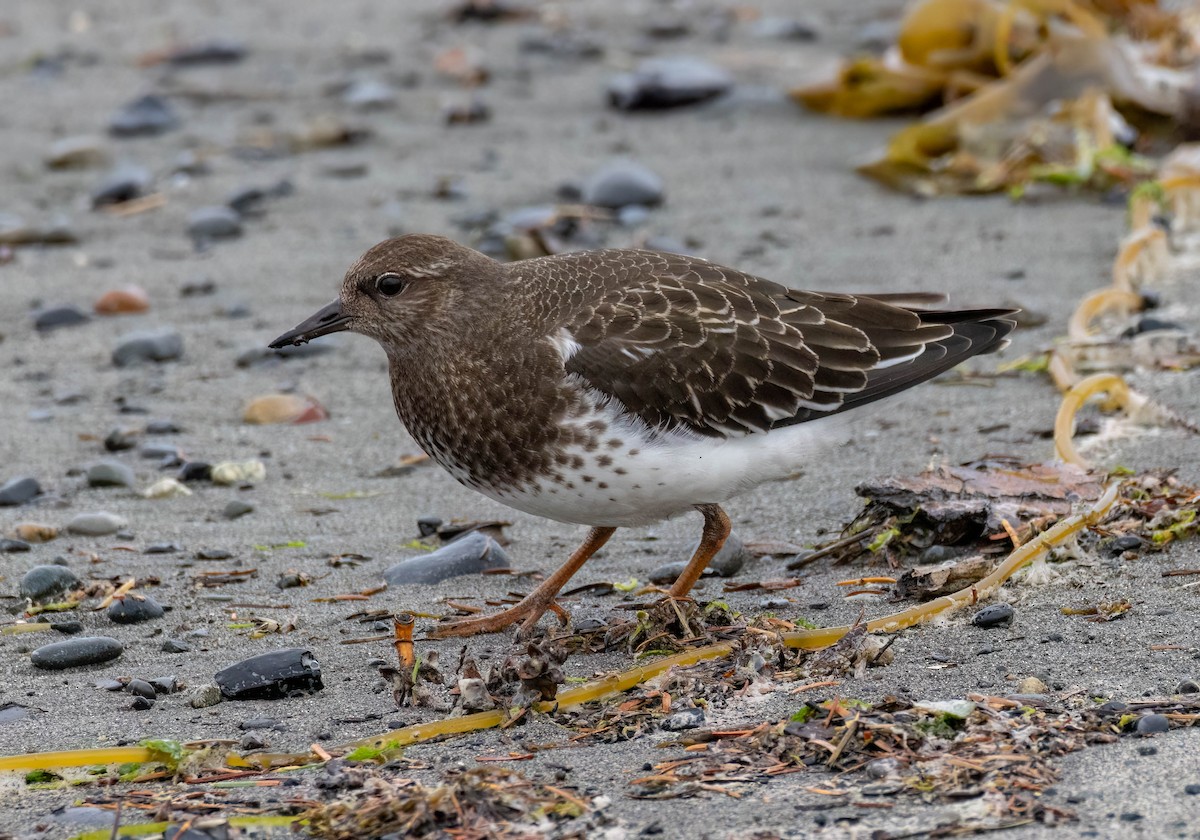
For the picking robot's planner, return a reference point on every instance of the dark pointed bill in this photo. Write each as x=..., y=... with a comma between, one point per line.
x=328, y=319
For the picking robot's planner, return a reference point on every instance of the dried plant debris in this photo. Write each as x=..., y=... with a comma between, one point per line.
x=997, y=750
x=491, y=802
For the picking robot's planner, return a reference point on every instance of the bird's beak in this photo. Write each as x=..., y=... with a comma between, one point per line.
x=328, y=319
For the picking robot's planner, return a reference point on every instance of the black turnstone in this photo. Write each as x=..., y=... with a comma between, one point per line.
x=616, y=388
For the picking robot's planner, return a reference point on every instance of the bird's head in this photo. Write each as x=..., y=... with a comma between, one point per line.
x=398, y=290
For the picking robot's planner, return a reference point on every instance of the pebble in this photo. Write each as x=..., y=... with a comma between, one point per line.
x=1192, y=789
x=165, y=685
x=203, y=696
x=122, y=301
x=214, y=222
x=258, y=723
x=213, y=554
x=71, y=653
x=467, y=555
x=162, y=427
x=166, y=488
x=118, y=440
x=125, y=183
x=53, y=317
x=1031, y=685
x=623, y=182
x=239, y=472
x=67, y=628
x=195, y=471
x=1152, y=724
x=46, y=581
x=141, y=688
x=134, y=609
x=1188, y=687
x=160, y=345
x=35, y=532
x=176, y=646
x=993, y=615
x=163, y=548
x=1128, y=542
x=79, y=152
x=252, y=741
x=259, y=355
x=109, y=473
x=784, y=29
x=560, y=43
x=10, y=546
x=214, y=51
x=159, y=452
x=250, y=201
x=141, y=704
x=369, y=94
x=237, y=508
x=668, y=82
x=96, y=524
x=271, y=675
x=283, y=408
x=727, y=563
x=148, y=115
x=882, y=768
x=18, y=491
x=466, y=111
x=683, y=719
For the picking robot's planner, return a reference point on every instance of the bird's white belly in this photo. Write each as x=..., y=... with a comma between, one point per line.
x=648, y=480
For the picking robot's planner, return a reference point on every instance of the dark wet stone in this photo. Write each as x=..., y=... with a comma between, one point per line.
x=216, y=51
x=1112, y=707
x=11, y=546
x=1152, y=324
x=727, y=563
x=72, y=653
x=467, y=111
x=67, y=628
x=215, y=222
x=668, y=82
x=18, y=491
x=250, y=201
x=369, y=94
x=276, y=674
x=1192, y=789
x=622, y=182
x=213, y=554
x=162, y=548
x=237, y=508
x=935, y=554
x=1152, y=724
x=67, y=315
x=162, y=427
x=993, y=615
x=176, y=646
x=110, y=474
x=141, y=704
x=124, y=183
x=118, y=440
x=134, y=609
x=47, y=581
x=258, y=723
x=683, y=719
x=145, y=116
x=160, y=345
x=195, y=471
x=99, y=524
x=1188, y=687
x=198, y=288
x=141, y=688
x=565, y=44
x=165, y=685
x=467, y=555
x=158, y=451
x=1128, y=542
x=252, y=741
x=427, y=526
x=882, y=768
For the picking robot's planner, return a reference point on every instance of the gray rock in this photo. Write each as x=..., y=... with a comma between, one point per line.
x=176, y=646
x=143, y=117
x=668, y=82
x=98, y=524
x=215, y=51
x=124, y=183
x=11, y=546
x=53, y=317
x=46, y=581
x=72, y=653
x=79, y=152
x=683, y=719
x=237, y=508
x=994, y=615
x=1152, y=724
x=271, y=675
x=18, y=491
x=468, y=555
x=784, y=29
x=215, y=222
x=134, y=609
x=369, y=94
x=160, y=345
x=619, y=183
x=203, y=696
x=109, y=473
x=727, y=563
x=141, y=688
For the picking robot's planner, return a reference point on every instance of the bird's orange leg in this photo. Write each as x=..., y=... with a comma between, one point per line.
x=716, y=529
x=535, y=603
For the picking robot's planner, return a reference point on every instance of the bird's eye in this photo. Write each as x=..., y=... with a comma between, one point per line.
x=390, y=285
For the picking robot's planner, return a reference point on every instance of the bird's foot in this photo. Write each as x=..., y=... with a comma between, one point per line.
x=530, y=609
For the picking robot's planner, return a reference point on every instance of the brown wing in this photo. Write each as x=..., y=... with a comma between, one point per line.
x=684, y=343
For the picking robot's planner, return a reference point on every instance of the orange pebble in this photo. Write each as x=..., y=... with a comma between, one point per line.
x=122, y=300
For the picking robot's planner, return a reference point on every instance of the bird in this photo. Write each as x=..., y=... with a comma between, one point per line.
x=616, y=388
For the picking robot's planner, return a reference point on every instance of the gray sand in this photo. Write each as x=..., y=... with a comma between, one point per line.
x=755, y=183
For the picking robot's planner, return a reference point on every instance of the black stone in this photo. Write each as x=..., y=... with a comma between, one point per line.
x=668, y=82
x=176, y=646
x=9, y=546
x=1129, y=542
x=195, y=471
x=467, y=555
x=141, y=704
x=145, y=116
x=124, y=183
x=141, y=688
x=67, y=315
x=18, y=491
x=133, y=609
x=43, y=582
x=162, y=427
x=993, y=615
x=216, y=51
x=162, y=548
x=160, y=345
x=119, y=440
x=271, y=675
x=1152, y=724
x=67, y=628
x=683, y=719
x=427, y=526
x=71, y=653
x=165, y=685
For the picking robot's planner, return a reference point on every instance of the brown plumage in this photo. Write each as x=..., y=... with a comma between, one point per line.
x=618, y=387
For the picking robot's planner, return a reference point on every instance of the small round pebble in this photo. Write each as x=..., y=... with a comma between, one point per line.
x=46, y=581
x=72, y=653
x=141, y=704
x=1188, y=687
x=145, y=116
x=993, y=615
x=67, y=315
x=160, y=345
x=109, y=473
x=98, y=524
x=215, y=222
x=623, y=182
x=18, y=491
x=237, y=508
x=134, y=609
x=1152, y=724
x=175, y=646
x=684, y=719
x=203, y=696
x=9, y=546
x=141, y=688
